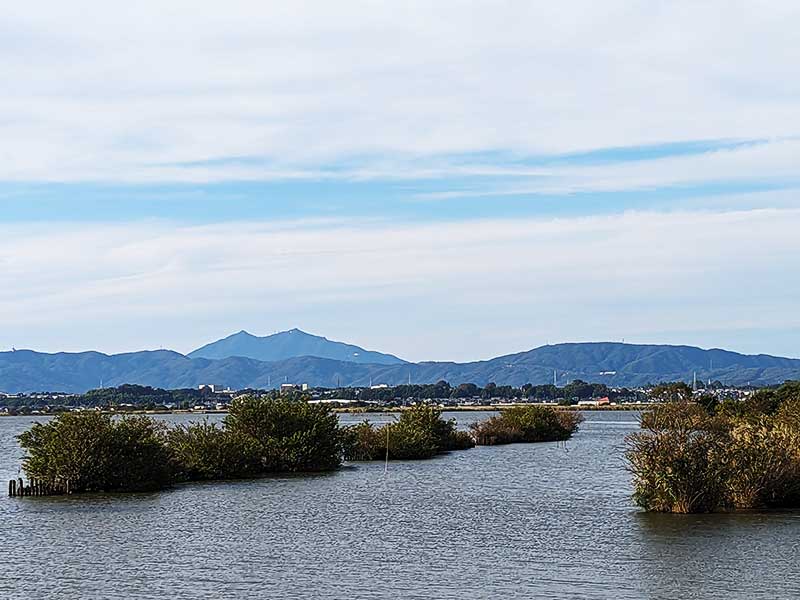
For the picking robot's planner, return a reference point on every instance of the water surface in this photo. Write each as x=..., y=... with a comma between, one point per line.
x=522, y=521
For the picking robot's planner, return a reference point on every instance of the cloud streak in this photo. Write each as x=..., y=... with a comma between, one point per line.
x=422, y=290
x=441, y=180
x=129, y=95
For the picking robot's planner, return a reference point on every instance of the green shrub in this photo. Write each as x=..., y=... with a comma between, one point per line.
x=96, y=453
x=203, y=451
x=363, y=442
x=459, y=440
x=527, y=424
x=419, y=433
x=408, y=441
x=762, y=402
x=287, y=435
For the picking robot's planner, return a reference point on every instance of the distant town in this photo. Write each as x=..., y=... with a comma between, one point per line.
x=210, y=398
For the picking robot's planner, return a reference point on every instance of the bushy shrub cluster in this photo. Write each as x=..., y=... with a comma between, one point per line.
x=287, y=435
x=527, y=424
x=739, y=455
x=419, y=433
x=94, y=453
x=97, y=453
x=203, y=451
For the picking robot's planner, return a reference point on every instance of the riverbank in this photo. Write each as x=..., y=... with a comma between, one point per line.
x=636, y=407
x=499, y=407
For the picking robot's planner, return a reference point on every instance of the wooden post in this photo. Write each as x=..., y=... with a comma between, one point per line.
x=12, y=488
x=20, y=487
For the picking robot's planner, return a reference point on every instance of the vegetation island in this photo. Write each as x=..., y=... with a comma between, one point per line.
x=697, y=450
x=93, y=451
x=697, y=454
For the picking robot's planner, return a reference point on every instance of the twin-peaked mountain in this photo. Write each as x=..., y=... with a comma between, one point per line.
x=246, y=361
x=290, y=344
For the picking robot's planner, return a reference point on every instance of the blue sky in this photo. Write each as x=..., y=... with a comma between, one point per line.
x=445, y=181
x=456, y=186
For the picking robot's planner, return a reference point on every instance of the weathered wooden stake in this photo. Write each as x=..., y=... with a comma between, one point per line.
x=12, y=488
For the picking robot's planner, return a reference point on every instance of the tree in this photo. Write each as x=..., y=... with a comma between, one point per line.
x=465, y=390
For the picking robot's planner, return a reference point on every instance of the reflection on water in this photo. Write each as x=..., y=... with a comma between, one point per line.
x=526, y=521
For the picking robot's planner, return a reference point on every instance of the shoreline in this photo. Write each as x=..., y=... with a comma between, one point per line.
x=371, y=410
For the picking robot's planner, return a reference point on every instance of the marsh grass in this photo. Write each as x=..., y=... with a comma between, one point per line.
x=747, y=456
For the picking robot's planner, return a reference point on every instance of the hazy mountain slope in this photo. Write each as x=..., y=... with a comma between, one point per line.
x=614, y=364
x=290, y=344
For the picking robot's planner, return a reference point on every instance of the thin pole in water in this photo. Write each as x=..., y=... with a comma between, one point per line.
x=386, y=464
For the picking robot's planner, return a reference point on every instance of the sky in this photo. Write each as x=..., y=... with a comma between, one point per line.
x=442, y=181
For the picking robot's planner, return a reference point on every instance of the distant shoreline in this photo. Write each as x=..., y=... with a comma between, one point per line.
x=375, y=410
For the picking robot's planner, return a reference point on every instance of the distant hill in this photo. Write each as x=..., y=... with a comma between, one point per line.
x=611, y=363
x=290, y=344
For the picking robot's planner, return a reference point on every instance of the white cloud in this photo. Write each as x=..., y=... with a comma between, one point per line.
x=457, y=290
x=95, y=90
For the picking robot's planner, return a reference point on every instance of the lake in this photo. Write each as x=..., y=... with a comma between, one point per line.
x=522, y=521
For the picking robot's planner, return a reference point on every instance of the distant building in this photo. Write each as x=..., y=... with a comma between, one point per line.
x=211, y=387
x=339, y=401
x=595, y=402
x=293, y=387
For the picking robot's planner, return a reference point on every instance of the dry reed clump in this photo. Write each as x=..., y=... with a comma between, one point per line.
x=686, y=460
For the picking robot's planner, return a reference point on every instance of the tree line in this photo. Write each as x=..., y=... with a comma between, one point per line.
x=575, y=390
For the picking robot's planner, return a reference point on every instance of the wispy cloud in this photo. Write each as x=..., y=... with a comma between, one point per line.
x=446, y=290
x=440, y=179
x=197, y=93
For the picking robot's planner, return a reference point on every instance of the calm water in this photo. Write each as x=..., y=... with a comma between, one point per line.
x=524, y=521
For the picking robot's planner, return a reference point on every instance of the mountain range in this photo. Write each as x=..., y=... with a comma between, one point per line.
x=247, y=361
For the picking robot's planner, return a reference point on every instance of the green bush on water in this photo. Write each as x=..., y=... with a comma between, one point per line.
x=203, y=451
x=527, y=424
x=287, y=435
x=99, y=453
x=734, y=455
x=419, y=433
x=96, y=453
